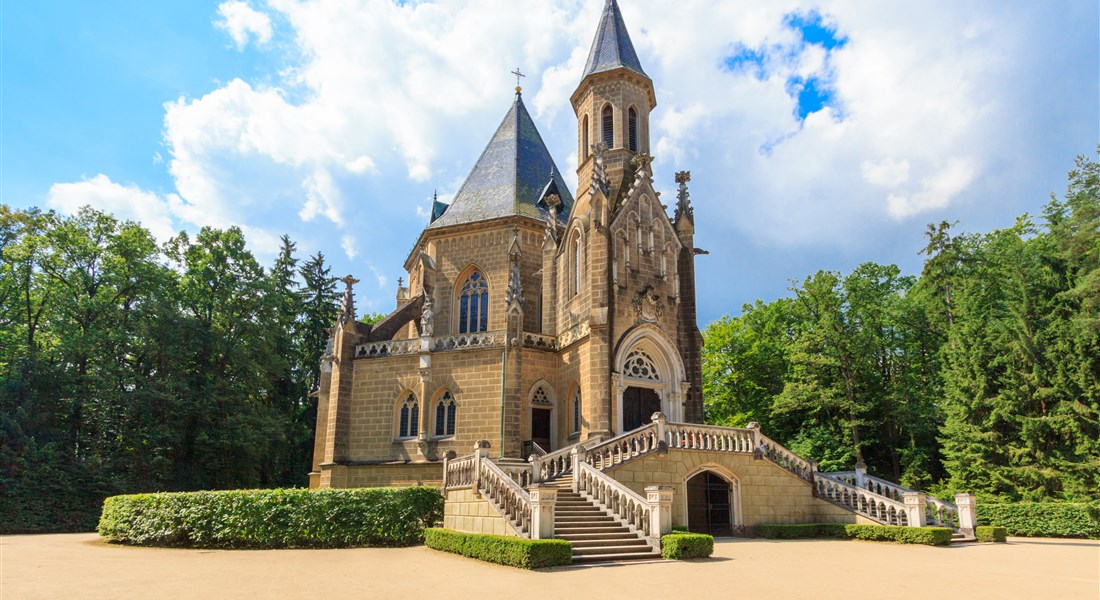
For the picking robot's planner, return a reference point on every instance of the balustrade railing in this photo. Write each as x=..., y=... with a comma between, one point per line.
x=554, y=464
x=706, y=437
x=387, y=348
x=620, y=501
x=864, y=502
x=540, y=342
x=459, y=473
x=622, y=448
x=468, y=340
x=521, y=473
x=793, y=463
x=940, y=513
x=511, y=500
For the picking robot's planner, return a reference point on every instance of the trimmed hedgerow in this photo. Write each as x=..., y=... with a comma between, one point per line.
x=930, y=536
x=989, y=533
x=293, y=518
x=503, y=550
x=1042, y=519
x=679, y=529
x=682, y=546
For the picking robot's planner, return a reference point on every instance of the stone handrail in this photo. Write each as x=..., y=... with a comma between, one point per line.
x=860, y=501
x=459, y=473
x=468, y=340
x=686, y=436
x=793, y=463
x=941, y=513
x=623, y=448
x=615, y=498
x=511, y=500
x=387, y=348
x=521, y=473
x=554, y=464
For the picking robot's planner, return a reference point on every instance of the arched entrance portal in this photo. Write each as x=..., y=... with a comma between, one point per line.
x=710, y=504
x=639, y=404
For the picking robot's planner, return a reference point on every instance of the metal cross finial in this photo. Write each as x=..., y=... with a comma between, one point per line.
x=518, y=74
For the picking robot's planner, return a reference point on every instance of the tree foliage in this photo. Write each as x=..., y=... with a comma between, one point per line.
x=982, y=374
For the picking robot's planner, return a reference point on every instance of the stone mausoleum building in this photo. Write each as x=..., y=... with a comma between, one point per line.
x=554, y=337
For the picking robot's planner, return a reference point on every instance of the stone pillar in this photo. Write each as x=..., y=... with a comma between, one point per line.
x=536, y=468
x=481, y=452
x=757, y=451
x=968, y=513
x=915, y=508
x=578, y=455
x=659, y=498
x=662, y=433
x=543, y=500
x=861, y=475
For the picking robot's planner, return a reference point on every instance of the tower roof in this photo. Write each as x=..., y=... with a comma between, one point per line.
x=612, y=47
x=511, y=178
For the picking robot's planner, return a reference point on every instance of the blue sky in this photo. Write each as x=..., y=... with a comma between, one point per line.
x=820, y=134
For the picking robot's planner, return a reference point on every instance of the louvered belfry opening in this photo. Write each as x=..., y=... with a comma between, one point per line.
x=632, y=128
x=608, y=127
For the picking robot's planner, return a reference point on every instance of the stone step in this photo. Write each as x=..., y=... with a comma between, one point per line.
x=602, y=558
x=643, y=549
x=610, y=535
x=583, y=512
x=562, y=530
x=619, y=542
x=587, y=517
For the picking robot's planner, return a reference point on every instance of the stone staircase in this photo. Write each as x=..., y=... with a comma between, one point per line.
x=594, y=535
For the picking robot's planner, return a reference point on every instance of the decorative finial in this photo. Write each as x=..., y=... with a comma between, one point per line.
x=683, y=199
x=347, y=307
x=518, y=74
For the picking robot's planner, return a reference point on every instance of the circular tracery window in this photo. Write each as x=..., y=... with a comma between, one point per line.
x=639, y=365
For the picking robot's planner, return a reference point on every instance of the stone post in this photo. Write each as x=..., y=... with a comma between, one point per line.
x=481, y=452
x=661, y=421
x=446, y=461
x=659, y=498
x=968, y=513
x=543, y=500
x=914, y=508
x=757, y=451
x=578, y=455
x=861, y=475
x=536, y=468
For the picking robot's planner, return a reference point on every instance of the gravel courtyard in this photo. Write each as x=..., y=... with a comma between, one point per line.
x=81, y=566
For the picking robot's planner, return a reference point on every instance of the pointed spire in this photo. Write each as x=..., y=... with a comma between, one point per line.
x=612, y=47
x=509, y=178
x=347, y=305
x=683, y=199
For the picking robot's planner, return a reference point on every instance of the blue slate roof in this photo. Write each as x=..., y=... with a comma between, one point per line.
x=513, y=174
x=612, y=47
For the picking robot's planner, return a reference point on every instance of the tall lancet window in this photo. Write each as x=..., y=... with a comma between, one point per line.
x=632, y=128
x=446, y=411
x=408, y=418
x=577, y=410
x=584, y=137
x=608, y=127
x=473, y=305
x=577, y=258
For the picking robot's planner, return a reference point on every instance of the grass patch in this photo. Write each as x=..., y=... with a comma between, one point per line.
x=682, y=546
x=256, y=519
x=502, y=550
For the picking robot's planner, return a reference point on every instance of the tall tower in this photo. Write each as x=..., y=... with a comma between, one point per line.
x=612, y=103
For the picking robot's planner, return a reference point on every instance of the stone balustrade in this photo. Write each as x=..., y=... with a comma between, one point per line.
x=781, y=456
x=468, y=340
x=864, y=502
x=622, y=448
x=387, y=348
x=617, y=500
x=554, y=464
x=511, y=501
x=937, y=513
x=521, y=473
x=706, y=437
x=941, y=513
x=459, y=473
x=538, y=341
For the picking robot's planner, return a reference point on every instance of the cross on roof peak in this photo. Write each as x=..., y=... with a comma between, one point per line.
x=518, y=74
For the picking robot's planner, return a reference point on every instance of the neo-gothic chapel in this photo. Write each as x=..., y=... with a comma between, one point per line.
x=554, y=337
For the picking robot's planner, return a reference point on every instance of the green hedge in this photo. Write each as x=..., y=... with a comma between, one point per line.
x=680, y=546
x=989, y=533
x=294, y=518
x=1042, y=519
x=930, y=536
x=503, y=550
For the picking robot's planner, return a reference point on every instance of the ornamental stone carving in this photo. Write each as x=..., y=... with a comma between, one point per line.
x=648, y=306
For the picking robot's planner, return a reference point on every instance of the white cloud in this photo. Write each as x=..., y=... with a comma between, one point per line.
x=123, y=201
x=348, y=244
x=243, y=22
x=885, y=172
x=937, y=191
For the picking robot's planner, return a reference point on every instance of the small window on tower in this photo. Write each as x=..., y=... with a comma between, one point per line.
x=632, y=128
x=584, y=137
x=608, y=127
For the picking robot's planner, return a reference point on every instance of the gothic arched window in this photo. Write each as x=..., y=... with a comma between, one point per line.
x=608, y=127
x=640, y=365
x=446, y=413
x=632, y=128
x=584, y=137
x=473, y=305
x=576, y=258
x=577, y=410
x=408, y=423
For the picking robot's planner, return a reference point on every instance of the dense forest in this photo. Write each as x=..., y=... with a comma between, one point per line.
x=131, y=366
x=982, y=374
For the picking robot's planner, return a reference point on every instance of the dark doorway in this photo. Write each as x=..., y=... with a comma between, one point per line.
x=540, y=427
x=709, y=511
x=639, y=404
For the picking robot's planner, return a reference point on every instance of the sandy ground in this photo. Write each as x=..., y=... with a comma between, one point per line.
x=81, y=566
